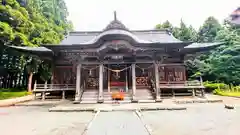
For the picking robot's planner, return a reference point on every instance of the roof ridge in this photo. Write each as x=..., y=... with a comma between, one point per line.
x=148, y=30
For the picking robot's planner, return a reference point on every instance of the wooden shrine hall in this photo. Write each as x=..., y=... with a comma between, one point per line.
x=145, y=64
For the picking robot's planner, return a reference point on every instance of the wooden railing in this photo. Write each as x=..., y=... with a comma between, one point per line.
x=54, y=87
x=181, y=83
x=193, y=83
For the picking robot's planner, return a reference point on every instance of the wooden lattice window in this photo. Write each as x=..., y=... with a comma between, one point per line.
x=64, y=75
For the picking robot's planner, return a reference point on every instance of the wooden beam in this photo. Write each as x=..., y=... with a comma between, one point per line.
x=173, y=64
x=115, y=62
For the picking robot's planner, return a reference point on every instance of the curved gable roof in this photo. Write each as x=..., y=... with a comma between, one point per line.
x=146, y=36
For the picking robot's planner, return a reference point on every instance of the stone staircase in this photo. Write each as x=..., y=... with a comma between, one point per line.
x=144, y=95
x=89, y=96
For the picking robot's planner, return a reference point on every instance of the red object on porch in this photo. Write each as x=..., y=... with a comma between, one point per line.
x=118, y=96
x=117, y=83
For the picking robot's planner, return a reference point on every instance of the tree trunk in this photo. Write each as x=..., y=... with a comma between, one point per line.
x=45, y=85
x=201, y=80
x=30, y=82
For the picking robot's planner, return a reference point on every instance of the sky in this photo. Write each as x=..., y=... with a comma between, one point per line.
x=95, y=15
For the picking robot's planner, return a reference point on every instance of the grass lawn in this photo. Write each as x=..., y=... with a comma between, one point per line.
x=7, y=94
x=228, y=93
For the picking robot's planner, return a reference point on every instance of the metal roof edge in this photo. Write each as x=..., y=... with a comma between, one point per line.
x=27, y=48
x=204, y=45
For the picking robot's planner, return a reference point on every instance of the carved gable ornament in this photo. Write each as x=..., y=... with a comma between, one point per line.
x=117, y=45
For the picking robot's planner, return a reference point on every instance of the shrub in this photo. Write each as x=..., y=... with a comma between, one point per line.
x=210, y=87
x=217, y=92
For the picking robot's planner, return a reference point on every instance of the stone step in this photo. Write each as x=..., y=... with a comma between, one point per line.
x=88, y=102
x=146, y=101
x=89, y=99
x=111, y=95
x=90, y=93
x=125, y=98
x=143, y=95
x=90, y=96
x=144, y=98
x=123, y=101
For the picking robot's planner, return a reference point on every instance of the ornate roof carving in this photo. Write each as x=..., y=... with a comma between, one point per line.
x=116, y=24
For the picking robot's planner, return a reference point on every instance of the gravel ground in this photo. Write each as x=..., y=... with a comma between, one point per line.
x=198, y=119
x=204, y=119
x=38, y=121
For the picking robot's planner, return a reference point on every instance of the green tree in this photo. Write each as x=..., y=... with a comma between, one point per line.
x=165, y=25
x=208, y=31
x=29, y=23
x=225, y=61
x=185, y=33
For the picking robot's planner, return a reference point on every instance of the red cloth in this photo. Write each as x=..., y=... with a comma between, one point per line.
x=117, y=83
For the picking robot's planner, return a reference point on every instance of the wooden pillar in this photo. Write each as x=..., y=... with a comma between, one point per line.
x=100, y=95
x=109, y=87
x=173, y=93
x=34, y=89
x=52, y=77
x=63, y=94
x=44, y=92
x=193, y=92
x=158, y=92
x=201, y=81
x=43, y=95
x=202, y=92
x=78, y=84
x=126, y=79
x=184, y=73
x=35, y=85
x=133, y=82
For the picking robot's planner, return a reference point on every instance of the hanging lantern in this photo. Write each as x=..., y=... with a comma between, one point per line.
x=143, y=71
x=90, y=72
x=117, y=74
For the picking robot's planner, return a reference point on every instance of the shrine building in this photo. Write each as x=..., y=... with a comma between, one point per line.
x=144, y=64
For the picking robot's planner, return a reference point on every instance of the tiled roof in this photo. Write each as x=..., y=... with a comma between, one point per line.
x=146, y=36
x=116, y=29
